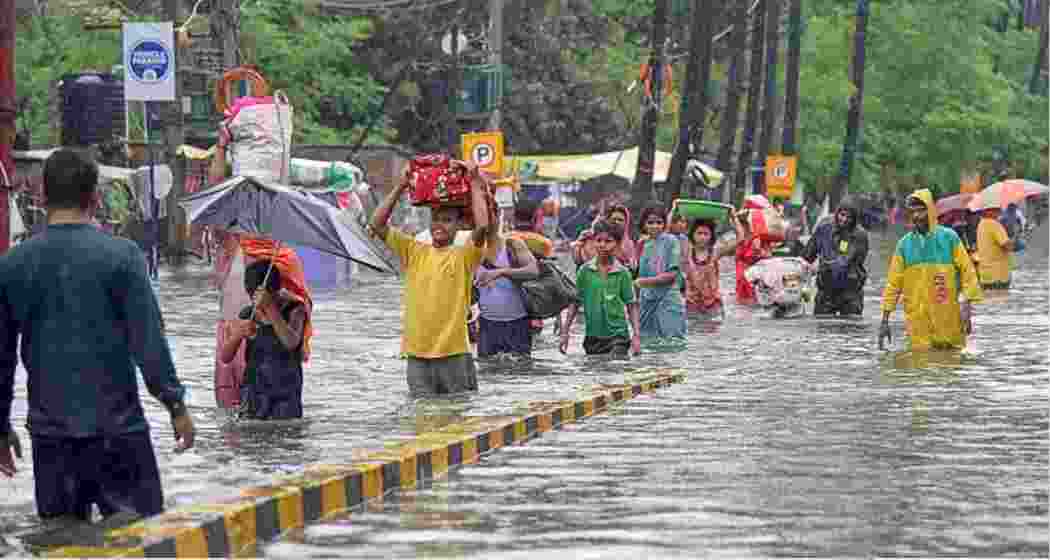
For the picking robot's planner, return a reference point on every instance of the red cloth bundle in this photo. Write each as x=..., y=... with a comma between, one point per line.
x=436, y=180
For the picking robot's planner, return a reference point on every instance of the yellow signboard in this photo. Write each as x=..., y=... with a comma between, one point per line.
x=970, y=183
x=780, y=176
x=485, y=149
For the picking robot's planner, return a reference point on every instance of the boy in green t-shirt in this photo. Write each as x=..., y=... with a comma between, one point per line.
x=605, y=289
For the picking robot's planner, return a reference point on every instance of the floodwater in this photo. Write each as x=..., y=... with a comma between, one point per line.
x=790, y=437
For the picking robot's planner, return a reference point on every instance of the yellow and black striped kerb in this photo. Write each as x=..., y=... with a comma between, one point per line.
x=235, y=526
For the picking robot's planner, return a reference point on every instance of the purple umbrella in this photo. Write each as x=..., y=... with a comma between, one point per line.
x=285, y=215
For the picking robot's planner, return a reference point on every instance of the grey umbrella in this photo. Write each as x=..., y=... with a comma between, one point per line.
x=285, y=215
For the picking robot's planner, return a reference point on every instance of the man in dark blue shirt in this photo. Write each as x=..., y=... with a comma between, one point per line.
x=86, y=313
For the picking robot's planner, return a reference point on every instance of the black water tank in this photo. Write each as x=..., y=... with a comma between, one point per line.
x=92, y=108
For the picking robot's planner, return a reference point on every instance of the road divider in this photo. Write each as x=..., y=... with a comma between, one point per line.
x=235, y=526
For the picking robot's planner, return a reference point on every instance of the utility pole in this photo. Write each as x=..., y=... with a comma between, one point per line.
x=754, y=98
x=7, y=117
x=731, y=113
x=642, y=189
x=794, y=65
x=496, y=47
x=225, y=24
x=175, y=135
x=454, y=87
x=692, y=117
x=856, y=103
x=769, y=106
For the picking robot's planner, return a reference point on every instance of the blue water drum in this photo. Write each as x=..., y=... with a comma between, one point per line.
x=92, y=108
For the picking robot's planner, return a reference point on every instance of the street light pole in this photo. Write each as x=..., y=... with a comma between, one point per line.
x=496, y=46
x=454, y=87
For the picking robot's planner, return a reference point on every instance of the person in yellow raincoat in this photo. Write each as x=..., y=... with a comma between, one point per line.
x=930, y=268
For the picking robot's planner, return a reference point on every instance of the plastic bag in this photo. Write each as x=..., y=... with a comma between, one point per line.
x=331, y=175
x=550, y=293
x=261, y=140
x=780, y=281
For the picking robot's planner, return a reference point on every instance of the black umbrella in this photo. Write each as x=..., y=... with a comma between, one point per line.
x=284, y=215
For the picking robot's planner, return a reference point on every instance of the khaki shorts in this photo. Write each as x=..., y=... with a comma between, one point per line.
x=441, y=376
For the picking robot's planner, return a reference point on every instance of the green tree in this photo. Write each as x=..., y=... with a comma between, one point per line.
x=311, y=57
x=933, y=102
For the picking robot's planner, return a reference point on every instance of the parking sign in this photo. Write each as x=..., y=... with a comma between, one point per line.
x=780, y=176
x=485, y=149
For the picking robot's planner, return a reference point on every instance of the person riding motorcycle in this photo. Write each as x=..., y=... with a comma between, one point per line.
x=842, y=247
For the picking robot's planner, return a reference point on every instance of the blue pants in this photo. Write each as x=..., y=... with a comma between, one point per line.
x=504, y=337
x=117, y=473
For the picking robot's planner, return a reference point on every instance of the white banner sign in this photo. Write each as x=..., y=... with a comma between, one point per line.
x=149, y=62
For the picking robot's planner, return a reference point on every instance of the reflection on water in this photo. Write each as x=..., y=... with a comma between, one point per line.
x=790, y=437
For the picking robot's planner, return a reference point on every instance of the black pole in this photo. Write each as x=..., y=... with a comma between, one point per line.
x=769, y=106
x=693, y=115
x=642, y=189
x=731, y=113
x=856, y=102
x=454, y=87
x=754, y=93
x=794, y=66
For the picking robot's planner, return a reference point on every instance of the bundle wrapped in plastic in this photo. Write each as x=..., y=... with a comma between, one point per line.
x=260, y=135
x=784, y=282
x=329, y=175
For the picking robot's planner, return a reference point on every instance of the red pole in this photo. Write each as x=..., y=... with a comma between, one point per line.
x=7, y=115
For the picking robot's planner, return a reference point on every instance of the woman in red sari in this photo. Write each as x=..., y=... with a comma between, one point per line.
x=749, y=250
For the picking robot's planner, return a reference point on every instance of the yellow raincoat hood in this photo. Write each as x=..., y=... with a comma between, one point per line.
x=926, y=197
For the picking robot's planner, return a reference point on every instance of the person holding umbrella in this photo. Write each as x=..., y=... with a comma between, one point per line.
x=994, y=245
x=272, y=328
x=438, y=280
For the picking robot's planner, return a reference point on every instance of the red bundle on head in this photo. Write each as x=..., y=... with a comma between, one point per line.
x=436, y=181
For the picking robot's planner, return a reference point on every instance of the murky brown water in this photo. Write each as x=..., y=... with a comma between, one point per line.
x=792, y=437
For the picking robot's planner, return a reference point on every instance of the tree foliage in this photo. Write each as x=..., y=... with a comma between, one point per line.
x=311, y=57
x=935, y=104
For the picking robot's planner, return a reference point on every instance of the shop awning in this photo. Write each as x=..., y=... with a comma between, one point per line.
x=621, y=163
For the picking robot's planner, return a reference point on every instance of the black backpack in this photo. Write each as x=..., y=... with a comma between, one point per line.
x=546, y=295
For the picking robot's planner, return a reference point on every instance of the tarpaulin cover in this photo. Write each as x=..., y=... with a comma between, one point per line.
x=622, y=163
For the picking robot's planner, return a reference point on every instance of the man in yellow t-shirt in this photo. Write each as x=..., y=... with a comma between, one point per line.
x=993, y=251
x=438, y=280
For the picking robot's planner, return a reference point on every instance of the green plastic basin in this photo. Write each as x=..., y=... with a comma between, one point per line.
x=704, y=209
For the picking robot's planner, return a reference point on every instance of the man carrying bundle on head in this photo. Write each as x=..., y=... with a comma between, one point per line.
x=437, y=290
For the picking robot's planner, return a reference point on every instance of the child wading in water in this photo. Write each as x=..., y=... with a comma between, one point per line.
x=273, y=378
x=702, y=295
x=662, y=311
x=605, y=289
